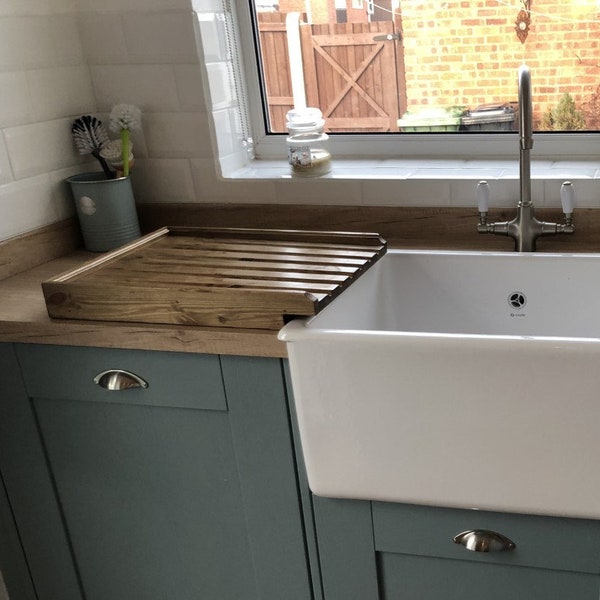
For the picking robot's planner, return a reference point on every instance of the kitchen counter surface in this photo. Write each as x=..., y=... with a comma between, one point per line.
x=23, y=318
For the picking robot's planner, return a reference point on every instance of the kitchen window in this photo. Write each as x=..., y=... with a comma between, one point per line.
x=449, y=86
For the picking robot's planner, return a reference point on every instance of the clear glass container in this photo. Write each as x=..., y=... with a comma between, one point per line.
x=307, y=143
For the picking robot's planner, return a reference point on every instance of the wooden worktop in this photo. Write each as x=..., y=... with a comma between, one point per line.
x=23, y=316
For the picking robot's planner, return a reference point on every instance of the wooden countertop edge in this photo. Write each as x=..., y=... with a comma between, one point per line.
x=24, y=319
x=23, y=316
x=144, y=337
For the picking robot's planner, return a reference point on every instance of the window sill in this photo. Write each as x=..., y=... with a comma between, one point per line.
x=426, y=169
x=425, y=182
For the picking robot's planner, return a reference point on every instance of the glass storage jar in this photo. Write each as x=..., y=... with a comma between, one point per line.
x=307, y=143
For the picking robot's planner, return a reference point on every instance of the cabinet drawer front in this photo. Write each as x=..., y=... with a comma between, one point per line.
x=414, y=577
x=546, y=542
x=174, y=379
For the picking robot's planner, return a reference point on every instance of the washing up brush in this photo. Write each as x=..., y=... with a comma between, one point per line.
x=89, y=136
x=125, y=118
x=112, y=152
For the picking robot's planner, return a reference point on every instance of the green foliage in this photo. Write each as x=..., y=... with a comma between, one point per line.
x=564, y=117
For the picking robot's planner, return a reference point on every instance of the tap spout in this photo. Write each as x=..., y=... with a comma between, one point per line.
x=525, y=228
x=525, y=134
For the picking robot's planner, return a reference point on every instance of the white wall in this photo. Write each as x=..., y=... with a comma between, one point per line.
x=44, y=82
x=60, y=59
x=143, y=52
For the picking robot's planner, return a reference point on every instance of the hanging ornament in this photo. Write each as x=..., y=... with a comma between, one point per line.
x=523, y=22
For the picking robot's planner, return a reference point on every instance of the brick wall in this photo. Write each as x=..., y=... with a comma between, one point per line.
x=322, y=11
x=474, y=55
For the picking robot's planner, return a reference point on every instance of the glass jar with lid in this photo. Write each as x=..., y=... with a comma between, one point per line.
x=307, y=143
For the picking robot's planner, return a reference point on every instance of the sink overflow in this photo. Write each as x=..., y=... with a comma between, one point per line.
x=517, y=299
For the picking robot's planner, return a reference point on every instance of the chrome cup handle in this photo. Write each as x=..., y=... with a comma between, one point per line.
x=482, y=540
x=115, y=380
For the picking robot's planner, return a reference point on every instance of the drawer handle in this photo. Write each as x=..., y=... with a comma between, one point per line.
x=481, y=540
x=117, y=379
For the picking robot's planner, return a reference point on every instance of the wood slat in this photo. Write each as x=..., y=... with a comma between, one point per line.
x=199, y=263
x=214, y=277
x=199, y=275
x=251, y=250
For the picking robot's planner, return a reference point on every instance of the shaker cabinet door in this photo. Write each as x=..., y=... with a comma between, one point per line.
x=174, y=473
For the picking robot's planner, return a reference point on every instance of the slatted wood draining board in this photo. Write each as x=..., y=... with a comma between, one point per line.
x=250, y=278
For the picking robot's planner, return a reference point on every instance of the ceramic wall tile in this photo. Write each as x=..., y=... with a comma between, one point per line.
x=36, y=42
x=133, y=5
x=211, y=188
x=16, y=103
x=40, y=148
x=207, y=5
x=151, y=87
x=102, y=38
x=177, y=135
x=406, y=192
x=220, y=82
x=66, y=43
x=227, y=131
x=60, y=92
x=160, y=38
x=213, y=37
x=190, y=89
x=26, y=205
x=13, y=8
x=163, y=180
x=324, y=191
x=6, y=175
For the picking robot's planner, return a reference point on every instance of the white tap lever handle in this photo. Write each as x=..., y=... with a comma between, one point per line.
x=483, y=196
x=567, y=196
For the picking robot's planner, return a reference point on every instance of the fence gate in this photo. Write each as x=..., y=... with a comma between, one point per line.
x=352, y=72
x=276, y=68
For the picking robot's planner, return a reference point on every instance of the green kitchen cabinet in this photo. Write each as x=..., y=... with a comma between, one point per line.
x=194, y=488
x=386, y=551
x=184, y=489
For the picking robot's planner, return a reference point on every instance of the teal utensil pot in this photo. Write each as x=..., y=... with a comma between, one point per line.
x=106, y=210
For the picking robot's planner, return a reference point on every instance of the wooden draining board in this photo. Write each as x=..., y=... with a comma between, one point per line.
x=250, y=278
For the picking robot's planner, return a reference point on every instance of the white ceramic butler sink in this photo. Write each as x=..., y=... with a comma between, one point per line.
x=456, y=379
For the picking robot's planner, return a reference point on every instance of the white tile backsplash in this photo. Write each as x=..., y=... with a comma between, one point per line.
x=406, y=192
x=177, y=135
x=151, y=87
x=60, y=92
x=16, y=103
x=44, y=84
x=134, y=5
x=13, y=8
x=160, y=38
x=209, y=187
x=163, y=180
x=213, y=37
x=6, y=175
x=190, y=90
x=26, y=205
x=63, y=58
x=323, y=191
x=103, y=39
x=40, y=147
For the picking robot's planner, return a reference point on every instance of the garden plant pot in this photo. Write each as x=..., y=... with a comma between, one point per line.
x=106, y=210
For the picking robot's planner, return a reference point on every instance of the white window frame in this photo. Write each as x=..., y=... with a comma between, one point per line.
x=478, y=146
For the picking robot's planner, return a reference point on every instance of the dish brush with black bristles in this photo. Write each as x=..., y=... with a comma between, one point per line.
x=89, y=136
